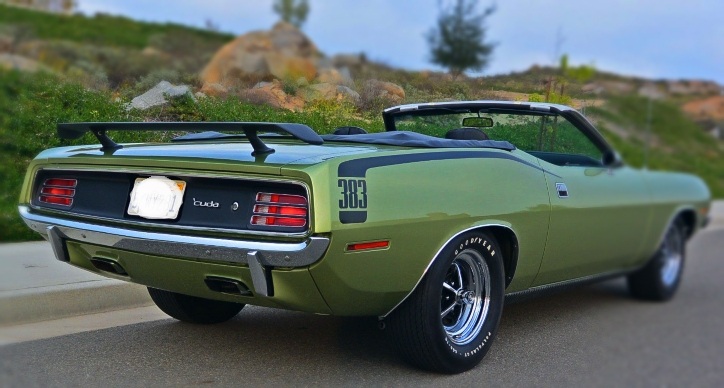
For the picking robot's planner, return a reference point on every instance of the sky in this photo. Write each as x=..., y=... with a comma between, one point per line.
x=670, y=39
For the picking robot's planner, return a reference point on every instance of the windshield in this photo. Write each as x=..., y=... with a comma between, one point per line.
x=532, y=132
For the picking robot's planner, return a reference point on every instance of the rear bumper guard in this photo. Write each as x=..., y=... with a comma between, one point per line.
x=252, y=253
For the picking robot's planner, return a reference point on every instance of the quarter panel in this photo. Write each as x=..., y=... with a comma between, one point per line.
x=418, y=207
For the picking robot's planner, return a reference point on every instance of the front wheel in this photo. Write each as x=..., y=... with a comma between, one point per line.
x=660, y=278
x=193, y=309
x=448, y=323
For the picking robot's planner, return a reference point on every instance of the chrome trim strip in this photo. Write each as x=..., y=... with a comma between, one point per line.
x=435, y=257
x=275, y=254
x=182, y=174
x=519, y=296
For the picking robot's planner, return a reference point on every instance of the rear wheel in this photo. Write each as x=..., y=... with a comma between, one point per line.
x=449, y=322
x=660, y=278
x=193, y=309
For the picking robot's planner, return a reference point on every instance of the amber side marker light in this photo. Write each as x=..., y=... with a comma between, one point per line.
x=57, y=191
x=365, y=246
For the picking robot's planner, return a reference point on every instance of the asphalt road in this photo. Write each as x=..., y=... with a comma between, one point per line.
x=592, y=336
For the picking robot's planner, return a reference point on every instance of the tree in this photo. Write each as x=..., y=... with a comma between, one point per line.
x=292, y=11
x=458, y=40
x=556, y=85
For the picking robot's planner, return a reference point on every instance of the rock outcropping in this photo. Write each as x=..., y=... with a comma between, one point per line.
x=157, y=95
x=282, y=52
x=294, y=72
x=711, y=108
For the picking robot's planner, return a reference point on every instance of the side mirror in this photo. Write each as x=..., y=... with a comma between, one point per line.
x=478, y=122
x=612, y=159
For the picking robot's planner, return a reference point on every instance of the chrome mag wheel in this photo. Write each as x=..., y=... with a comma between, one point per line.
x=673, y=257
x=659, y=279
x=449, y=322
x=465, y=297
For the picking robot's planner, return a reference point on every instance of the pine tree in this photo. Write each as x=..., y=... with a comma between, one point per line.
x=458, y=41
x=292, y=11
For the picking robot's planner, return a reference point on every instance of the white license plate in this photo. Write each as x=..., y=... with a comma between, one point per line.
x=156, y=198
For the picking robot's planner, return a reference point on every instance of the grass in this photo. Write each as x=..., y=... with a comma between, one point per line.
x=31, y=106
x=100, y=29
x=678, y=144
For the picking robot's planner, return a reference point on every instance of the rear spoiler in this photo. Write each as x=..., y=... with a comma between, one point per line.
x=302, y=132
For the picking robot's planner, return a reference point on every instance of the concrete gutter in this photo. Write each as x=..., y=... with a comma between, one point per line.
x=35, y=287
x=717, y=214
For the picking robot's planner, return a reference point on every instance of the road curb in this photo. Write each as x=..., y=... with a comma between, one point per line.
x=62, y=301
x=717, y=212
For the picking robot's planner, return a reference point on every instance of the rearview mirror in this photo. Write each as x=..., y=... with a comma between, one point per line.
x=478, y=122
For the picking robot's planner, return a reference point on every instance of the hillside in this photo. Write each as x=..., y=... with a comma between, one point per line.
x=104, y=51
x=89, y=69
x=101, y=29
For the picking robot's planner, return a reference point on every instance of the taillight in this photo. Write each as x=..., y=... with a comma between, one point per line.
x=57, y=191
x=283, y=199
x=280, y=210
x=278, y=221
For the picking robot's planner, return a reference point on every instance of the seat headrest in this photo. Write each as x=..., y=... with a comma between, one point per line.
x=349, y=131
x=466, y=134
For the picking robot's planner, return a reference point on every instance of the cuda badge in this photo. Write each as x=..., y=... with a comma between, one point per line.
x=562, y=190
x=198, y=203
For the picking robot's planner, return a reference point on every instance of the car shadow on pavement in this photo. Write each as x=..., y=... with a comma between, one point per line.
x=261, y=345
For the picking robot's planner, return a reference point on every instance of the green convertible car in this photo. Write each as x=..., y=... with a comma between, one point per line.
x=431, y=225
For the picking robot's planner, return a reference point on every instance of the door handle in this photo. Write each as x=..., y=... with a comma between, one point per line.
x=562, y=190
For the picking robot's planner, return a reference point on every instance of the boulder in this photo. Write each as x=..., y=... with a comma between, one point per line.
x=6, y=43
x=272, y=93
x=289, y=40
x=386, y=90
x=707, y=109
x=335, y=76
x=282, y=52
x=321, y=91
x=326, y=91
x=348, y=93
x=21, y=63
x=284, y=66
x=157, y=95
x=214, y=90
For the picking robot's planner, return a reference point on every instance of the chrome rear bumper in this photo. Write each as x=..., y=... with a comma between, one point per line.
x=267, y=254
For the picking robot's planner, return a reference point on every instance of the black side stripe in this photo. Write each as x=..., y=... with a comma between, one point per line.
x=358, y=168
x=352, y=217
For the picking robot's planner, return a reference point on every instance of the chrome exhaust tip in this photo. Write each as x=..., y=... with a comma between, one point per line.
x=108, y=265
x=227, y=286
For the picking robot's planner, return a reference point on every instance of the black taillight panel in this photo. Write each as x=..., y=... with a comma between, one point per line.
x=218, y=203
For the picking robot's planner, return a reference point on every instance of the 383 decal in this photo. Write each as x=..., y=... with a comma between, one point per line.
x=352, y=200
x=354, y=193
